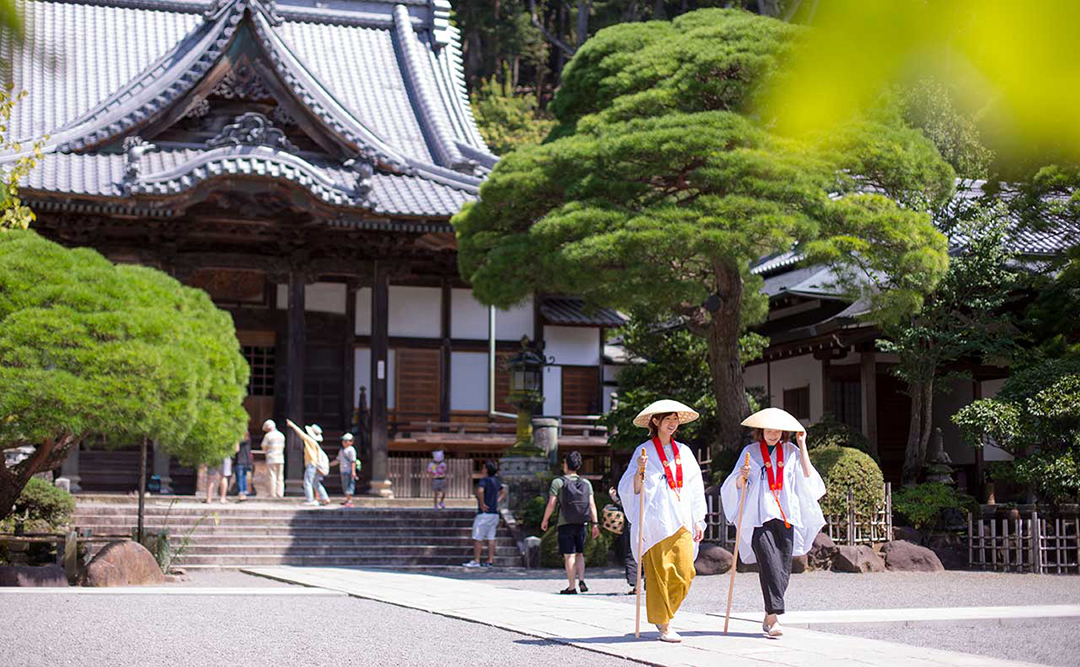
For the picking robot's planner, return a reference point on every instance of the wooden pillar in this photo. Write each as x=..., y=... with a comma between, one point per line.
x=826, y=386
x=380, y=344
x=294, y=400
x=444, y=370
x=868, y=384
x=978, y=487
x=348, y=362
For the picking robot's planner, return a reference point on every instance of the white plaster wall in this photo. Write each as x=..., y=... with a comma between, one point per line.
x=362, y=370
x=318, y=297
x=573, y=346
x=391, y=385
x=469, y=318
x=798, y=372
x=552, y=391
x=990, y=389
x=415, y=312
x=363, y=311
x=468, y=381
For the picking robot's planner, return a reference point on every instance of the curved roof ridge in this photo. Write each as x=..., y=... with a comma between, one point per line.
x=425, y=99
x=449, y=62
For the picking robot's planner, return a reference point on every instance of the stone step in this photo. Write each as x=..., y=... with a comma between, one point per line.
x=232, y=561
x=387, y=552
x=291, y=541
x=104, y=530
x=252, y=509
x=330, y=523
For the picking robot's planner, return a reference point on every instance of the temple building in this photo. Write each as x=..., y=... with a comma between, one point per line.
x=300, y=161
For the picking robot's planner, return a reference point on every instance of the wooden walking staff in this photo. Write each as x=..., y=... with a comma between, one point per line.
x=735, y=555
x=640, y=534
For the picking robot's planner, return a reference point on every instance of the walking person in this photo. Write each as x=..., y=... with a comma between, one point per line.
x=316, y=464
x=781, y=514
x=489, y=493
x=437, y=470
x=244, y=464
x=273, y=447
x=577, y=507
x=673, y=521
x=623, y=551
x=218, y=476
x=346, y=458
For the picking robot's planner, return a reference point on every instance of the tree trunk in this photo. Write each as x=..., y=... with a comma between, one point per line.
x=722, y=334
x=922, y=420
x=142, y=490
x=48, y=456
x=583, y=8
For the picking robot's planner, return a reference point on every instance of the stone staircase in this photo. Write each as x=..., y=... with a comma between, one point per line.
x=254, y=533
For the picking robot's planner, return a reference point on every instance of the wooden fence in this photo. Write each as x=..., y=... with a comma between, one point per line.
x=409, y=477
x=1029, y=543
x=851, y=527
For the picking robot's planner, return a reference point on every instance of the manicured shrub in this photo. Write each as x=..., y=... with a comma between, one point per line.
x=596, y=550
x=923, y=505
x=845, y=468
x=42, y=507
x=831, y=432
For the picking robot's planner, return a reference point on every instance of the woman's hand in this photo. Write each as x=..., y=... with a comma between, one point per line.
x=800, y=437
x=744, y=474
x=642, y=461
x=699, y=534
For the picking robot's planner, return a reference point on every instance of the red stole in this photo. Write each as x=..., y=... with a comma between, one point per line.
x=674, y=480
x=776, y=481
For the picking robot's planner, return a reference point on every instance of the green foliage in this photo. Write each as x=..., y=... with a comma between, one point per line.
x=844, y=468
x=13, y=213
x=532, y=513
x=831, y=432
x=933, y=107
x=91, y=349
x=41, y=508
x=923, y=505
x=596, y=549
x=508, y=121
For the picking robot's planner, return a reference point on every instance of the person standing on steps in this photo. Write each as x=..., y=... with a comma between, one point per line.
x=346, y=458
x=273, y=447
x=244, y=464
x=781, y=514
x=316, y=463
x=673, y=521
x=437, y=470
x=577, y=507
x=489, y=493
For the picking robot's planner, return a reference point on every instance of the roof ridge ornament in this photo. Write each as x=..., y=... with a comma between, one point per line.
x=252, y=129
x=134, y=148
x=267, y=8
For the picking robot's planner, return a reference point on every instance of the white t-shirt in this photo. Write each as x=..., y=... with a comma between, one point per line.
x=346, y=457
x=273, y=443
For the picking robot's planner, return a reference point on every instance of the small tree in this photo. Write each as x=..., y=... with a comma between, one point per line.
x=965, y=317
x=114, y=353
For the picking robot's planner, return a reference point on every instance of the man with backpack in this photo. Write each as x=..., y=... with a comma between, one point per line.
x=576, y=508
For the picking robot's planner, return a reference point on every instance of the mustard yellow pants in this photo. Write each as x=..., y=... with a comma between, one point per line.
x=668, y=568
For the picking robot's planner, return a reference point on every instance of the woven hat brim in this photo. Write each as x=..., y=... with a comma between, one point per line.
x=686, y=414
x=774, y=418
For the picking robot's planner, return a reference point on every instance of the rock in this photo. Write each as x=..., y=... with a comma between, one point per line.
x=123, y=564
x=907, y=534
x=712, y=559
x=822, y=552
x=859, y=558
x=743, y=566
x=951, y=550
x=799, y=564
x=903, y=556
x=36, y=577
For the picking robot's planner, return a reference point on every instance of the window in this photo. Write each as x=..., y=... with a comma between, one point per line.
x=797, y=402
x=418, y=384
x=261, y=360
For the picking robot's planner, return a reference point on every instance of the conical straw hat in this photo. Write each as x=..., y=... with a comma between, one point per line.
x=686, y=414
x=774, y=418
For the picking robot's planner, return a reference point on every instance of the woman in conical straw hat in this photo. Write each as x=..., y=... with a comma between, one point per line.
x=674, y=514
x=782, y=514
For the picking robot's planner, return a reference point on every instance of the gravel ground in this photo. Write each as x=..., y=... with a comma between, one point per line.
x=206, y=631
x=226, y=579
x=1049, y=641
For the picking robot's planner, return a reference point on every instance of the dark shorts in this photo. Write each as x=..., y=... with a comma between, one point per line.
x=572, y=538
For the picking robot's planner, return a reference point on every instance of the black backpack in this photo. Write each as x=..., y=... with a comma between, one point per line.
x=574, y=500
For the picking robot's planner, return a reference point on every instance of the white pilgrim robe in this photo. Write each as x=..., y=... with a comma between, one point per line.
x=665, y=513
x=799, y=498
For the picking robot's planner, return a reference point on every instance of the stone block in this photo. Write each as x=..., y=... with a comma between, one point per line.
x=31, y=576
x=903, y=556
x=712, y=559
x=859, y=558
x=123, y=564
x=822, y=552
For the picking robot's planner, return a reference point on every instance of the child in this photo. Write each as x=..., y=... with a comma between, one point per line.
x=437, y=470
x=346, y=458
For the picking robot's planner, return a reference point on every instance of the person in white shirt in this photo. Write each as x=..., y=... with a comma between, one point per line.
x=674, y=515
x=781, y=514
x=273, y=446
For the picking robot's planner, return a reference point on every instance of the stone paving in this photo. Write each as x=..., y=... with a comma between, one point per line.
x=607, y=627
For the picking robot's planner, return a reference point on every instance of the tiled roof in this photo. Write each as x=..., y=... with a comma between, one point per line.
x=382, y=76
x=573, y=311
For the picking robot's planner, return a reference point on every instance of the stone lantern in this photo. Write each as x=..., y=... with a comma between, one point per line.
x=526, y=370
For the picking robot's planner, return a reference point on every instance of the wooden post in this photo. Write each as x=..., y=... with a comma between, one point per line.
x=380, y=348
x=294, y=402
x=444, y=369
x=851, y=517
x=348, y=362
x=868, y=383
x=971, y=541
x=142, y=490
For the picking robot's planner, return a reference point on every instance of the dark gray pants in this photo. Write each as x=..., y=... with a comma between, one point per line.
x=625, y=553
x=772, y=545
